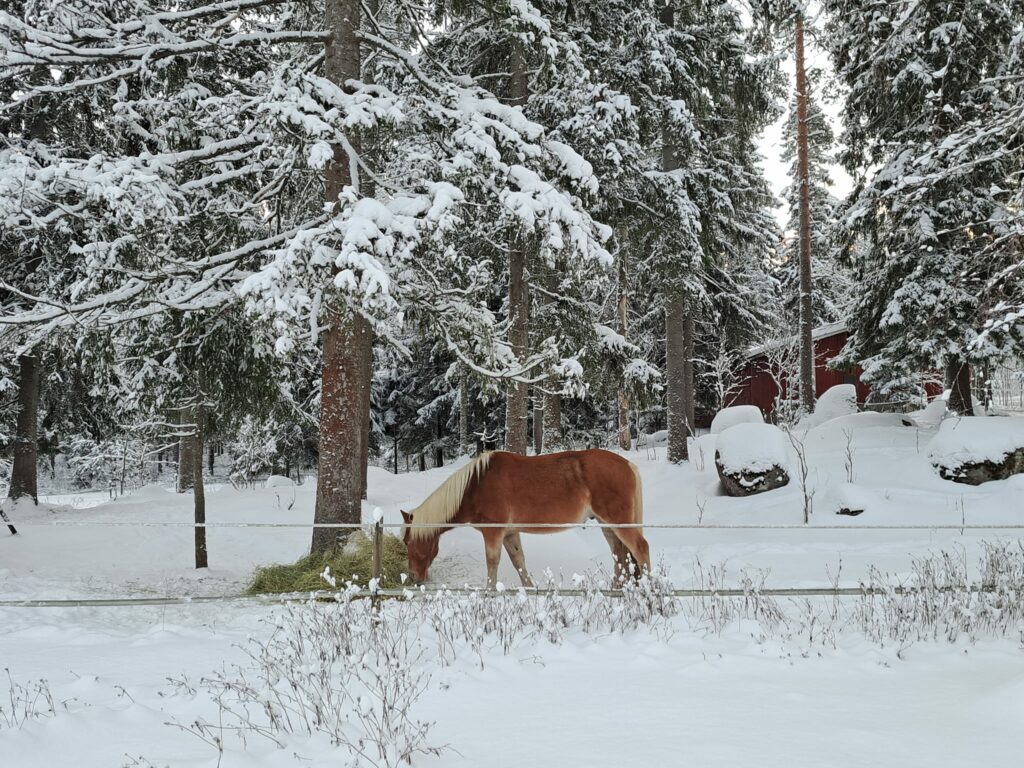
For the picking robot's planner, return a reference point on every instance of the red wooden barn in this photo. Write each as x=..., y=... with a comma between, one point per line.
x=760, y=374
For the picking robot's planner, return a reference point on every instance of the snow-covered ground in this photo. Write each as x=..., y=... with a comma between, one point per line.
x=687, y=694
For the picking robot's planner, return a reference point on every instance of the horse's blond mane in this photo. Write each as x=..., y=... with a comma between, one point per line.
x=444, y=502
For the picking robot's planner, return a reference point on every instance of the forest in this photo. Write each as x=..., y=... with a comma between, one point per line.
x=316, y=236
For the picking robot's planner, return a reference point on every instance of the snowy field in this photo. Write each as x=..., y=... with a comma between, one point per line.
x=689, y=689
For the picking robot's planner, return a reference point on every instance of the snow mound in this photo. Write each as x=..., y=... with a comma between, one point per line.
x=837, y=401
x=751, y=448
x=733, y=415
x=279, y=481
x=862, y=420
x=932, y=414
x=853, y=499
x=976, y=439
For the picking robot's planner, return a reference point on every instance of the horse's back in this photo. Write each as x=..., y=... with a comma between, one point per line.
x=556, y=487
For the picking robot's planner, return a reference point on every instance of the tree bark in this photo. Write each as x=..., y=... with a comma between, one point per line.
x=538, y=421
x=675, y=377
x=343, y=381
x=464, y=449
x=961, y=401
x=517, y=401
x=553, y=439
x=803, y=170
x=438, y=436
x=621, y=311
x=689, y=386
x=186, y=450
x=365, y=401
x=198, y=491
x=25, y=472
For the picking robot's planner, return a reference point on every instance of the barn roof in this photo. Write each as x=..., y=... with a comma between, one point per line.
x=821, y=332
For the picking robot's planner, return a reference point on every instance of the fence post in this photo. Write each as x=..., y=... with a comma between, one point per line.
x=378, y=559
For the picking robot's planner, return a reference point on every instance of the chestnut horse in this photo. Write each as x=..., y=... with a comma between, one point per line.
x=515, y=491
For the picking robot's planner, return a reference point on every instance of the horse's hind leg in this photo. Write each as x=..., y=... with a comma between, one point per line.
x=514, y=547
x=623, y=558
x=492, y=551
x=637, y=545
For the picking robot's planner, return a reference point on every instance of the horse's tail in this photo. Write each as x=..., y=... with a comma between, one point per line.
x=638, y=494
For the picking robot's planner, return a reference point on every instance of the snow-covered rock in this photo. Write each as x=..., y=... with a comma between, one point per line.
x=977, y=449
x=850, y=499
x=278, y=481
x=752, y=458
x=735, y=414
x=840, y=400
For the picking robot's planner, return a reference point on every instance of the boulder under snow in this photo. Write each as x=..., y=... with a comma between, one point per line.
x=752, y=458
x=735, y=414
x=977, y=449
x=840, y=400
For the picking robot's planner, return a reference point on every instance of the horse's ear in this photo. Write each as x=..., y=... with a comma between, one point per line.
x=406, y=516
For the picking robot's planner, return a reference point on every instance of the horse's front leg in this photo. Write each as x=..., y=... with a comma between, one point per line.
x=514, y=547
x=492, y=551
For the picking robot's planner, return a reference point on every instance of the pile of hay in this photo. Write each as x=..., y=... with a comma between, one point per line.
x=353, y=562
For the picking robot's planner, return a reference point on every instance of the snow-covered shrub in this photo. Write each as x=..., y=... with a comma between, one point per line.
x=976, y=449
x=735, y=414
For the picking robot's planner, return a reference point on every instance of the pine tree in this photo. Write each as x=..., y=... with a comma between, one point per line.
x=915, y=76
x=832, y=284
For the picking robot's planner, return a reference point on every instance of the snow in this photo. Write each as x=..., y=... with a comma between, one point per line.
x=735, y=414
x=975, y=439
x=697, y=694
x=840, y=400
x=752, y=448
x=278, y=481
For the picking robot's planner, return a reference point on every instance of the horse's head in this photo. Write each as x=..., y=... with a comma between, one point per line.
x=422, y=549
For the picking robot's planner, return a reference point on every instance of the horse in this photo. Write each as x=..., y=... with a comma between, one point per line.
x=515, y=493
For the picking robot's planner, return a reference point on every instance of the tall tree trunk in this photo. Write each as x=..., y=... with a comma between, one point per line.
x=186, y=449
x=678, y=387
x=464, y=447
x=803, y=170
x=342, y=423
x=553, y=440
x=958, y=373
x=517, y=402
x=339, y=485
x=675, y=376
x=621, y=310
x=538, y=421
x=25, y=473
x=689, y=384
x=198, y=491
x=438, y=436
x=365, y=401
